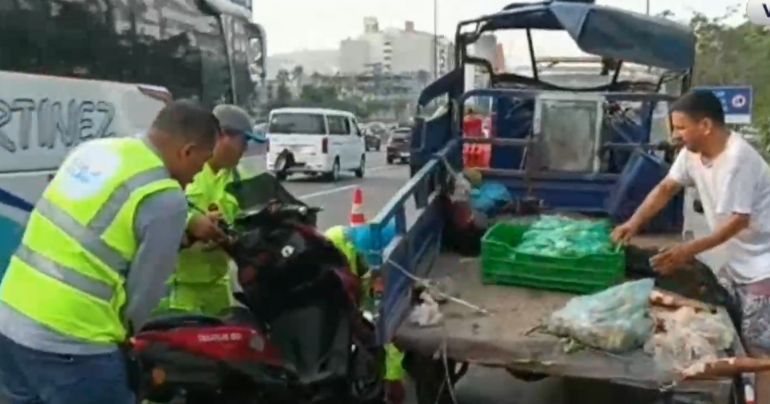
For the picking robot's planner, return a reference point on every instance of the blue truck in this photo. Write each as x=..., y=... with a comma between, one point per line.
x=588, y=144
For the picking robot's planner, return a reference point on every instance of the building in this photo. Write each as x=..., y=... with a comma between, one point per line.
x=395, y=51
x=487, y=48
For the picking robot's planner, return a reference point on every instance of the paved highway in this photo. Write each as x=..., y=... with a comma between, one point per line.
x=380, y=183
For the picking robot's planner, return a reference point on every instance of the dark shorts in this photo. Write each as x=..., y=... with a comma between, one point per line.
x=754, y=304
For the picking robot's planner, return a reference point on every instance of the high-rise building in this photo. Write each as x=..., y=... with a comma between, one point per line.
x=395, y=51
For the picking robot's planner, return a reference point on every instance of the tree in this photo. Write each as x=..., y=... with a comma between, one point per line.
x=283, y=95
x=423, y=77
x=298, y=76
x=733, y=55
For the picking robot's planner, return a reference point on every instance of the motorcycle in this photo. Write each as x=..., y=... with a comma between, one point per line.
x=299, y=335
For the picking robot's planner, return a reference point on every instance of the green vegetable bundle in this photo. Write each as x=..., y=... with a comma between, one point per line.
x=558, y=236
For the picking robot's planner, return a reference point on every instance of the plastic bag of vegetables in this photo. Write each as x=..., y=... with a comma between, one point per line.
x=616, y=319
x=559, y=236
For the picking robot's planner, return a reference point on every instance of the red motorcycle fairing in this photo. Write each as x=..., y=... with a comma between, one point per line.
x=221, y=343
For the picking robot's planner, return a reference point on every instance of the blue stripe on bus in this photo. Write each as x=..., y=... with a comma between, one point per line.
x=10, y=230
x=7, y=198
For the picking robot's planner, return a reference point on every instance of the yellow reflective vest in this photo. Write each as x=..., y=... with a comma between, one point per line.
x=199, y=264
x=337, y=235
x=69, y=272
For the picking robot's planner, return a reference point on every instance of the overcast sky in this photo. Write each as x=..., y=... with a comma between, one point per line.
x=321, y=24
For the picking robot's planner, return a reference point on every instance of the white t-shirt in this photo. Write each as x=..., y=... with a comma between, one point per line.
x=736, y=181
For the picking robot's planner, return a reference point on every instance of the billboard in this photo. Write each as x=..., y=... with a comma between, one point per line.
x=736, y=102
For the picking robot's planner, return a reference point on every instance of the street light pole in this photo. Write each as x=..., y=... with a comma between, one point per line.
x=648, y=7
x=435, y=39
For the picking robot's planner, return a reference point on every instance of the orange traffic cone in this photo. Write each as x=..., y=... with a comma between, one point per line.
x=356, y=212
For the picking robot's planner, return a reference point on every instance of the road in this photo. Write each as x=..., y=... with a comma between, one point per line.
x=380, y=183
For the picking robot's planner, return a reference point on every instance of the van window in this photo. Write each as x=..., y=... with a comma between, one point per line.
x=297, y=123
x=338, y=125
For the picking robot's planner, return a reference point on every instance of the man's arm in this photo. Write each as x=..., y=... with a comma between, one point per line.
x=677, y=178
x=728, y=229
x=655, y=201
x=735, y=192
x=159, y=225
x=677, y=256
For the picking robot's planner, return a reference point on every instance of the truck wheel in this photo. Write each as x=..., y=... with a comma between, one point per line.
x=429, y=377
x=361, y=169
x=390, y=160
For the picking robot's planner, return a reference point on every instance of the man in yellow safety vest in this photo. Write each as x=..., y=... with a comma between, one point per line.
x=394, y=371
x=201, y=283
x=90, y=268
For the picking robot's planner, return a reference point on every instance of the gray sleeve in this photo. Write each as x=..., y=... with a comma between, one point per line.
x=159, y=224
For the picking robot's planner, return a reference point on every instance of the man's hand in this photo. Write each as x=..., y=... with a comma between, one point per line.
x=625, y=232
x=669, y=261
x=206, y=227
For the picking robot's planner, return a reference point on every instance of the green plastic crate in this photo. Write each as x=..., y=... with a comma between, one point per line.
x=502, y=264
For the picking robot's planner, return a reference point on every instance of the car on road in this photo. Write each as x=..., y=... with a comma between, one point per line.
x=399, y=144
x=372, y=141
x=314, y=141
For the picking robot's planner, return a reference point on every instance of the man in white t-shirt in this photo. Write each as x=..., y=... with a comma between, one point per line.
x=733, y=181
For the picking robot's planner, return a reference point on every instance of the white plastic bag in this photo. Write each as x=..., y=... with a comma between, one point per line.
x=689, y=338
x=616, y=319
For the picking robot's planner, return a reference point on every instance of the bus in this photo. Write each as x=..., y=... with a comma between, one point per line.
x=74, y=70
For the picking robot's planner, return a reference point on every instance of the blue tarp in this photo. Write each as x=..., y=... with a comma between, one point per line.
x=606, y=31
x=361, y=236
x=490, y=198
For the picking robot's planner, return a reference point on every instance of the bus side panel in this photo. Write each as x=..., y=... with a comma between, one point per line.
x=41, y=119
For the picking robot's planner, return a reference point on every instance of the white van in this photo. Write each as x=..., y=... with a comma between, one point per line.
x=314, y=141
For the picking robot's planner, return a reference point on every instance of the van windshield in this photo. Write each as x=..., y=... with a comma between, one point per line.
x=297, y=123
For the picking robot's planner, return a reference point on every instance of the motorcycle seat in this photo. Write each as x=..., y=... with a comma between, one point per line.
x=241, y=316
x=171, y=321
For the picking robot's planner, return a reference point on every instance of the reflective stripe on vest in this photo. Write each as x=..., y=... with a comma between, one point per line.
x=90, y=237
x=69, y=272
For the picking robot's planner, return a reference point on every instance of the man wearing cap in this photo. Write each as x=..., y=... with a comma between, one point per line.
x=201, y=283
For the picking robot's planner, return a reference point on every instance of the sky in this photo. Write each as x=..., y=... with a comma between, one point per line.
x=293, y=25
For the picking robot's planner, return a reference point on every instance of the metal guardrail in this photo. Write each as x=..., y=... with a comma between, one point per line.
x=423, y=187
x=414, y=245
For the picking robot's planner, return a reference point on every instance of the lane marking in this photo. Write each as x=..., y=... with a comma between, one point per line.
x=327, y=192
x=382, y=168
x=343, y=188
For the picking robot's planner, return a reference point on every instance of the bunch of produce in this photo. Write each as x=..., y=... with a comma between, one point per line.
x=558, y=236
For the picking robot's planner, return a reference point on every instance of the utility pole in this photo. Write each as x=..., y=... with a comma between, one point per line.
x=648, y=7
x=435, y=39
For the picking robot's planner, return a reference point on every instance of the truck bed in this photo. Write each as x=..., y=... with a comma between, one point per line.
x=505, y=337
